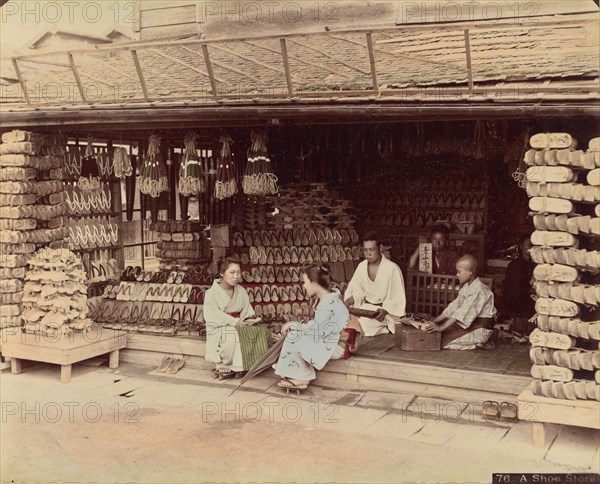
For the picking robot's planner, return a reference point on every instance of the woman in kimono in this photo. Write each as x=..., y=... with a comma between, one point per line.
x=226, y=305
x=312, y=345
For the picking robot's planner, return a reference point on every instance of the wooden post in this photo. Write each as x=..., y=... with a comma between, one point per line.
x=286, y=66
x=209, y=69
x=21, y=80
x=372, y=61
x=65, y=373
x=140, y=74
x=468, y=54
x=77, y=78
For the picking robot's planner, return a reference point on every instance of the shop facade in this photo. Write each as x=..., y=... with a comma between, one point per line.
x=359, y=152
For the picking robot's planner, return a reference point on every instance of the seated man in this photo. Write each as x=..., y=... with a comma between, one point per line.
x=467, y=322
x=517, y=301
x=444, y=259
x=377, y=285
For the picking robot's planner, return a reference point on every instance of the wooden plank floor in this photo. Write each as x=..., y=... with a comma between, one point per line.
x=507, y=359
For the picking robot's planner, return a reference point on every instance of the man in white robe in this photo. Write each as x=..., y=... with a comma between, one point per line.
x=377, y=285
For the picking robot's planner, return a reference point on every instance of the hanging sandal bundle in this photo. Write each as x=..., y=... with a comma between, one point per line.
x=153, y=172
x=259, y=178
x=191, y=178
x=226, y=185
x=122, y=163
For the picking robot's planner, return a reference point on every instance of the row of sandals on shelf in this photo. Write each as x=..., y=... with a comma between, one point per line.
x=80, y=202
x=92, y=233
x=300, y=255
x=408, y=218
x=295, y=237
x=157, y=318
x=424, y=200
x=165, y=292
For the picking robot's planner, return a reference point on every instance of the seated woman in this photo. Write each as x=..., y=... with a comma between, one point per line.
x=312, y=345
x=467, y=322
x=226, y=305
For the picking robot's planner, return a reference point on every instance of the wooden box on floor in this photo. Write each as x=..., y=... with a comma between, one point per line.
x=409, y=338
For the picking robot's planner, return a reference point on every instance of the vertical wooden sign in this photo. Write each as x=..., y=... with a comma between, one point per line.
x=426, y=257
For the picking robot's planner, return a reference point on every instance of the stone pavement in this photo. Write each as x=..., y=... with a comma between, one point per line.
x=135, y=425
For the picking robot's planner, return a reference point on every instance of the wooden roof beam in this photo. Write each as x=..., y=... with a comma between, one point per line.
x=249, y=59
x=337, y=59
x=138, y=68
x=221, y=65
x=77, y=78
x=189, y=66
x=21, y=80
x=318, y=66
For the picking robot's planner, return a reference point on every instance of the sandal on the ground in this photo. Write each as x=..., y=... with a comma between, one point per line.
x=175, y=365
x=491, y=410
x=509, y=411
x=164, y=364
x=224, y=373
x=287, y=385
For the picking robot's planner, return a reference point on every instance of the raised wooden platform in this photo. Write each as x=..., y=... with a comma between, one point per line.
x=63, y=350
x=541, y=410
x=371, y=372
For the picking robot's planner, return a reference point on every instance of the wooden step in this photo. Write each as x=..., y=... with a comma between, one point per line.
x=363, y=372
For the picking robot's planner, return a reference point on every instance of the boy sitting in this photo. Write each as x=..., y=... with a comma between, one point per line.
x=467, y=322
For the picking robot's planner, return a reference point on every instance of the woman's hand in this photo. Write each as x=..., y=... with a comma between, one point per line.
x=286, y=328
x=252, y=320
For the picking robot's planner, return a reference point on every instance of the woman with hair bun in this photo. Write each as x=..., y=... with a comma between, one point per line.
x=312, y=345
x=226, y=307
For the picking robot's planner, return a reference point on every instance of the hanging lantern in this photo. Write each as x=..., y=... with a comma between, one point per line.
x=153, y=172
x=226, y=185
x=191, y=178
x=259, y=178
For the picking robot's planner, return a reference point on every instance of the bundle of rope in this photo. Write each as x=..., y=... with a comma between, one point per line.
x=191, y=178
x=153, y=172
x=226, y=185
x=259, y=178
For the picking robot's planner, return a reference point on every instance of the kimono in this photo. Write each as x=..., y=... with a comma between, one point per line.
x=221, y=316
x=386, y=291
x=446, y=264
x=312, y=345
x=475, y=314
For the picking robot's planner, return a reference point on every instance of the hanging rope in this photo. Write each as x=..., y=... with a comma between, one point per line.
x=226, y=185
x=517, y=152
x=153, y=172
x=191, y=178
x=259, y=178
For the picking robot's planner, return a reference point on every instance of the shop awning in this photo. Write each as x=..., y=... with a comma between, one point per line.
x=535, y=67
